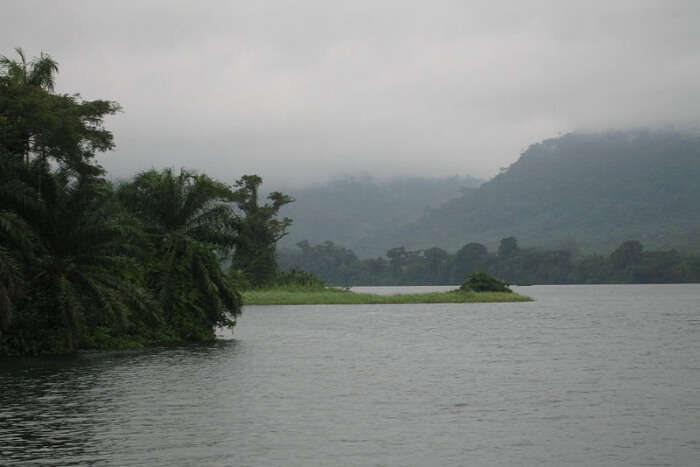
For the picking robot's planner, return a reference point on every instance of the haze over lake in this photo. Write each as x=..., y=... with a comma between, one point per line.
x=297, y=92
x=174, y=175
x=585, y=375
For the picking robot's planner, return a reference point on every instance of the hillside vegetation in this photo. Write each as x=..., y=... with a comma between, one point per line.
x=351, y=210
x=591, y=191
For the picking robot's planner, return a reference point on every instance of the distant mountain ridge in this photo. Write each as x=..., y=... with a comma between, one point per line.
x=591, y=191
x=350, y=209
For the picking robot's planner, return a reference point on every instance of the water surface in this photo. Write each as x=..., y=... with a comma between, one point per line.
x=585, y=375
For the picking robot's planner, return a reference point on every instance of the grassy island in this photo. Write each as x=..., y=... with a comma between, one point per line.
x=335, y=296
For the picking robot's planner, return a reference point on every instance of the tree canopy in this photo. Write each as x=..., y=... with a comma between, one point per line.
x=86, y=265
x=38, y=123
x=187, y=221
x=258, y=230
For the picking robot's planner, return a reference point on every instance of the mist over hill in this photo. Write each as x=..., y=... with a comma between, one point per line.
x=587, y=191
x=351, y=209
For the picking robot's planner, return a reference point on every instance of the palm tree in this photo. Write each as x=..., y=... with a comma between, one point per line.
x=17, y=243
x=11, y=284
x=37, y=123
x=66, y=267
x=189, y=223
x=39, y=72
x=80, y=278
x=25, y=87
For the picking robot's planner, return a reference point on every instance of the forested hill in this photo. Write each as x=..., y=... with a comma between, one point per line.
x=589, y=190
x=351, y=209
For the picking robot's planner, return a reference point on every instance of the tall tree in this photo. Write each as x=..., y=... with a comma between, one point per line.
x=38, y=123
x=61, y=256
x=508, y=247
x=259, y=229
x=470, y=258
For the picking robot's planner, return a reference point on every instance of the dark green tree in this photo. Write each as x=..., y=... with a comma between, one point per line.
x=189, y=221
x=470, y=258
x=482, y=282
x=337, y=264
x=62, y=257
x=11, y=278
x=436, y=259
x=36, y=123
x=508, y=247
x=74, y=260
x=627, y=254
x=258, y=230
x=16, y=243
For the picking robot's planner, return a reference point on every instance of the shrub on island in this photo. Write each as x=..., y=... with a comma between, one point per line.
x=296, y=278
x=482, y=282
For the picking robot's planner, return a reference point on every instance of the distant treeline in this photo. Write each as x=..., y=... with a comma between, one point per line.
x=628, y=263
x=86, y=264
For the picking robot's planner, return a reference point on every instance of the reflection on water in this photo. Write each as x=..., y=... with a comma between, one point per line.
x=585, y=375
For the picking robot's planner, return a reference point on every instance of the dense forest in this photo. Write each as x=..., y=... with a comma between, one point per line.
x=628, y=263
x=351, y=210
x=593, y=191
x=86, y=264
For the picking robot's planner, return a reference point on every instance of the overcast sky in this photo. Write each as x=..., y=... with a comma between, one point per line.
x=300, y=91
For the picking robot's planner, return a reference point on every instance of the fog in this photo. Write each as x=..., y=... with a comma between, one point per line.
x=298, y=92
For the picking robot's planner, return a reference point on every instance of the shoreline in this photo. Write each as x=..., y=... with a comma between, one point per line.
x=334, y=296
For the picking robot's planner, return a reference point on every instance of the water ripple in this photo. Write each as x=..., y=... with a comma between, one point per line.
x=586, y=375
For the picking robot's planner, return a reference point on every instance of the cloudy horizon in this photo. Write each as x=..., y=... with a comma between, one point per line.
x=299, y=92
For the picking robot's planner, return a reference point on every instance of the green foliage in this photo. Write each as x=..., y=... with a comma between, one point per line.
x=83, y=266
x=72, y=256
x=297, y=278
x=11, y=286
x=333, y=263
x=508, y=247
x=627, y=254
x=63, y=258
x=187, y=219
x=482, y=282
x=239, y=279
x=258, y=231
x=629, y=263
x=471, y=257
x=599, y=189
x=38, y=124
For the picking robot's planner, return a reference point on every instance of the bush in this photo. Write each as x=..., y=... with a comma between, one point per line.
x=240, y=281
x=297, y=278
x=482, y=282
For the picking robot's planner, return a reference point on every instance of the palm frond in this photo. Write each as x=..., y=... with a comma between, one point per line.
x=43, y=69
x=11, y=285
x=69, y=308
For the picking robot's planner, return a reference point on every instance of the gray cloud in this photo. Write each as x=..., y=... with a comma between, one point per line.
x=299, y=91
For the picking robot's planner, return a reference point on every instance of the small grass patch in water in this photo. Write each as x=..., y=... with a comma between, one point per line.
x=335, y=296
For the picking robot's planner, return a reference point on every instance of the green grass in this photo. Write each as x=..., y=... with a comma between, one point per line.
x=333, y=296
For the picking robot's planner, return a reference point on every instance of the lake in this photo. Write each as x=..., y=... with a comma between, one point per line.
x=585, y=375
